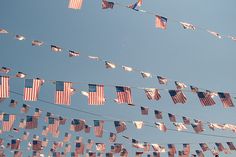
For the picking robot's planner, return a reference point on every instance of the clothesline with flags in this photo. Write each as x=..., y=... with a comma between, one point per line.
x=160, y=21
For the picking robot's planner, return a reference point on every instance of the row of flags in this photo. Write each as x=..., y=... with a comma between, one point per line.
x=160, y=21
x=96, y=96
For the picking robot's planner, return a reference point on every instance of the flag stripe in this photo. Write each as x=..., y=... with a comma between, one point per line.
x=4, y=87
x=75, y=4
x=31, y=94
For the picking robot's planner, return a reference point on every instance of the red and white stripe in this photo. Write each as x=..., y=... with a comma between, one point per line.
x=53, y=128
x=179, y=97
x=4, y=87
x=7, y=125
x=33, y=124
x=98, y=96
x=75, y=4
x=64, y=97
x=31, y=94
x=226, y=101
x=125, y=96
x=152, y=94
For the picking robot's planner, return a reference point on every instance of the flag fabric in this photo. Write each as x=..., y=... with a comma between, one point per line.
x=156, y=154
x=98, y=128
x=87, y=128
x=124, y=153
x=107, y=4
x=53, y=125
x=172, y=149
x=25, y=136
x=226, y=99
x=123, y=94
x=177, y=96
x=180, y=153
x=25, y=108
x=21, y=75
x=120, y=126
x=96, y=94
x=31, y=122
x=45, y=131
x=133, y=6
x=73, y=53
x=231, y=145
x=162, y=80
x=19, y=37
x=220, y=147
x=138, y=154
x=144, y=110
x=158, y=114
x=67, y=137
x=37, y=145
x=67, y=148
x=112, y=137
x=116, y=148
x=214, y=34
x=138, y=124
x=15, y=144
x=37, y=112
x=22, y=123
x=31, y=89
x=79, y=148
x=77, y=125
x=180, y=126
x=172, y=117
x=5, y=70
x=90, y=144
x=152, y=93
x=101, y=147
x=18, y=154
x=199, y=153
x=55, y=48
x=186, y=120
x=161, y=22
x=194, y=89
x=186, y=25
x=4, y=87
x=186, y=149
x=7, y=122
x=161, y=126
x=180, y=85
x=3, y=31
x=13, y=103
x=197, y=127
x=37, y=43
x=75, y=4
x=204, y=147
x=126, y=68
x=145, y=74
x=63, y=92
x=91, y=154
x=110, y=65
x=205, y=99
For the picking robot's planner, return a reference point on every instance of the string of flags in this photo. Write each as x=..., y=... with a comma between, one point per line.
x=160, y=21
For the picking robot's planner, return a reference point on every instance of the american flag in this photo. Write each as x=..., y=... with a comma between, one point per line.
x=162, y=80
x=116, y=148
x=25, y=136
x=15, y=144
x=161, y=22
x=4, y=87
x=91, y=154
x=79, y=148
x=87, y=128
x=152, y=93
x=158, y=114
x=37, y=145
x=186, y=149
x=75, y=4
x=73, y=53
x=187, y=26
x=220, y=146
x=231, y=145
x=62, y=120
x=37, y=43
x=53, y=125
x=107, y=4
x=25, y=108
x=180, y=85
x=204, y=146
x=172, y=117
x=124, y=153
x=197, y=127
x=31, y=122
x=89, y=144
x=186, y=120
x=55, y=48
x=18, y=154
x=98, y=128
x=199, y=153
x=45, y=131
x=45, y=142
x=8, y=121
x=138, y=124
x=13, y=103
x=205, y=99
x=226, y=99
x=67, y=148
x=101, y=147
x=194, y=89
x=120, y=126
x=31, y=90
x=67, y=137
x=112, y=137
x=214, y=34
x=172, y=148
x=144, y=110
x=37, y=112
x=123, y=95
x=63, y=93
x=134, y=6
x=110, y=65
x=177, y=96
x=96, y=94
x=5, y=70
x=161, y=126
x=77, y=125
x=138, y=154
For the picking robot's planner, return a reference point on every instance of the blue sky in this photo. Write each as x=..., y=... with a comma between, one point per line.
x=129, y=38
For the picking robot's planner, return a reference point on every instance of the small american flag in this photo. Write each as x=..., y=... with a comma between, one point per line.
x=172, y=117
x=162, y=80
x=197, y=127
x=5, y=70
x=180, y=85
x=73, y=53
x=4, y=87
x=110, y=65
x=63, y=93
x=15, y=144
x=120, y=126
x=177, y=96
x=187, y=26
x=138, y=154
x=37, y=112
x=13, y=103
x=79, y=148
x=67, y=137
x=31, y=122
x=77, y=125
x=31, y=90
x=172, y=148
x=25, y=136
x=124, y=153
x=53, y=125
x=205, y=99
x=98, y=128
x=8, y=121
x=25, y=108
x=231, y=145
x=220, y=146
x=144, y=110
x=37, y=145
x=18, y=154
x=37, y=43
x=161, y=22
x=107, y=4
x=204, y=146
x=116, y=148
x=89, y=144
x=226, y=99
x=96, y=94
x=186, y=120
x=55, y=48
x=158, y=114
x=161, y=126
x=199, y=153
x=101, y=147
x=87, y=128
x=123, y=95
x=67, y=148
x=186, y=149
x=75, y=4
x=194, y=89
x=152, y=93
x=112, y=137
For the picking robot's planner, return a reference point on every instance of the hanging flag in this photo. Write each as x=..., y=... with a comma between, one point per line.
x=226, y=99
x=199, y=153
x=172, y=149
x=144, y=110
x=25, y=136
x=194, y=89
x=22, y=123
x=110, y=65
x=55, y=48
x=67, y=148
x=231, y=37
x=18, y=154
x=186, y=25
x=180, y=126
x=138, y=124
x=205, y=99
x=162, y=80
x=212, y=126
x=77, y=125
x=19, y=37
x=7, y=122
x=37, y=112
x=79, y=148
x=45, y=131
x=186, y=149
x=101, y=147
x=204, y=147
x=25, y=108
x=138, y=154
x=4, y=87
x=126, y=68
x=31, y=122
x=152, y=93
x=96, y=94
x=123, y=94
x=180, y=85
x=231, y=145
x=116, y=148
x=158, y=114
x=90, y=144
x=94, y=58
x=133, y=6
x=20, y=75
x=15, y=144
x=107, y=4
x=177, y=96
x=161, y=126
x=5, y=70
x=3, y=31
x=197, y=127
x=91, y=154
x=98, y=128
x=214, y=34
x=67, y=137
x=37, y=145
x=161, y=22
x=32, y=89
x=112, y=137
x=63, y=92
x=75, y=4
x=220, y=147
x=172, y=117
x=214, y=152
x=37, y=43
x=120, y=126
x=124, y=153
x=53, y=125
x=158, y=148
x=186, y=120
x=155, y=154
x=13, y=103
x=145, y=74
x=73, y=53
x=87, y=128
